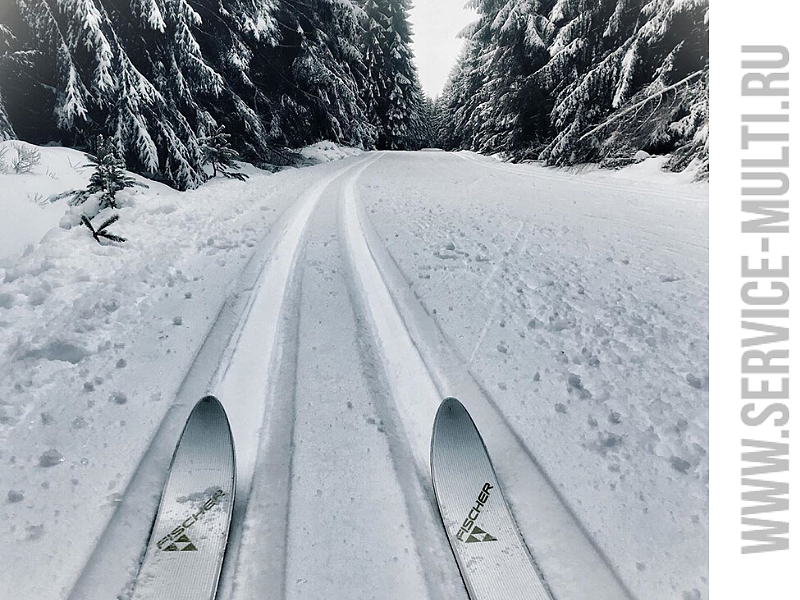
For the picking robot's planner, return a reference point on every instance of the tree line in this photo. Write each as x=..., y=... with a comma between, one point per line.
x=159, y=76
x=574, y=81
x=562, y=81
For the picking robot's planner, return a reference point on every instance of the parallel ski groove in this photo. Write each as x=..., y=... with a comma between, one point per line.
x=569, y=555
x=109, y=574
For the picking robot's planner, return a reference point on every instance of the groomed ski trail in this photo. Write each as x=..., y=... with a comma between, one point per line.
x=333, y=492
x=331, y=370
x=247, y=319
x=421, y=370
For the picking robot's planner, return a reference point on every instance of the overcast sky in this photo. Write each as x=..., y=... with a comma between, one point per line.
x=436, y=45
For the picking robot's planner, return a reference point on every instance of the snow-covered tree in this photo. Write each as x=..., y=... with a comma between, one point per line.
x=393, y=93
x=633, y=67
x=160, y=75
x=6, y=53
x=579, y=80
x=6, y=130
x=108, y=178
x=218, y=153
x=325, y=73
x=507, y=112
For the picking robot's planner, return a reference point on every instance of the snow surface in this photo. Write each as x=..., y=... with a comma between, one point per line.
x=331, y=308
x=322, y=152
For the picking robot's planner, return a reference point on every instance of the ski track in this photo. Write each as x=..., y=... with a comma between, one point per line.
x=518, y=291
x=251, y=313
x=418, y=380
x=331, y=370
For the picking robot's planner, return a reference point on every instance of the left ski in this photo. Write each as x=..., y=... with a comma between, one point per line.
x=184, y=556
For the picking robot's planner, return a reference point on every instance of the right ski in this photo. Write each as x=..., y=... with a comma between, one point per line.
x=492, y=556
x=187, y=545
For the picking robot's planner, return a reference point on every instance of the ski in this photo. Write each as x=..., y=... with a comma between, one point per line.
x=494, y=561
x=184, y=555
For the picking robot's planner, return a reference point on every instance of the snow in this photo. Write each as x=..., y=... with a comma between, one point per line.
x=322, y=152
x=579, y=302
x=28, y=201
x=331, y=308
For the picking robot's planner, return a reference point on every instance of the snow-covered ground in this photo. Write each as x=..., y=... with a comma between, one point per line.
x=331, y=308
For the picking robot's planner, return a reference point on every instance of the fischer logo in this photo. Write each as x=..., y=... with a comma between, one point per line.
x=469, y=533
x=177, y=540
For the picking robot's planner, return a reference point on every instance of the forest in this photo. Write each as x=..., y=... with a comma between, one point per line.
x=561, y=81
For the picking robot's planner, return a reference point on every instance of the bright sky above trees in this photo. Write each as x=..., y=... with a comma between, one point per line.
x=437, y=24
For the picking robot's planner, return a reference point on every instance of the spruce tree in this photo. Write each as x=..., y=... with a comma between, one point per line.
x=393, y=96
x=626, y=58
x=574, y=81
x=109, y=175
x=218, y=153
x=159, y=75
x=325, y=68
x=6, y=57
x=508, y=115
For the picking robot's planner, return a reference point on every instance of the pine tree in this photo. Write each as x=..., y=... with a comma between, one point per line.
x=6, y=57
x=6, y=130
x=108, y=178
x=578, y=80
x=394, y=96
x=217, y=152
x=509, y=114
x=326, y=69
x=160, y=75
x=624, y=57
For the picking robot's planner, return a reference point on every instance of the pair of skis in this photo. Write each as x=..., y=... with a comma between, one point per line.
x=184, y=556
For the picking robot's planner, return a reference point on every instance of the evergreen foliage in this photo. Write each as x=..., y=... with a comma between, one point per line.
x=7, y=59
x=218, y=153
x=102, y=231
x=392, y=93
x=108, y=178
x=25, y=160
x=564, y=81
x=571, y=81
x=161, y=75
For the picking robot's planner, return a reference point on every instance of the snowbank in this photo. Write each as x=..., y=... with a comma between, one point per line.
x=647, y=170
x=29, y=202
x=322, y=152
x=67, y=300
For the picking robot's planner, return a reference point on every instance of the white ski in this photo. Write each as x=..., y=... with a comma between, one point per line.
x=187, y=545
x=492, y=556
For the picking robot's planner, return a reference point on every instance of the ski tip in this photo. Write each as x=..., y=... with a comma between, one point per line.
x=449, y=410
x=449, y=406
x=210, y=403
x=211, y=407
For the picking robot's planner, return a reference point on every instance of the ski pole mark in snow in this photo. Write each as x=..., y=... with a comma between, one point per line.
x=502, y=262
x=485, y=330
x=496, y=304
